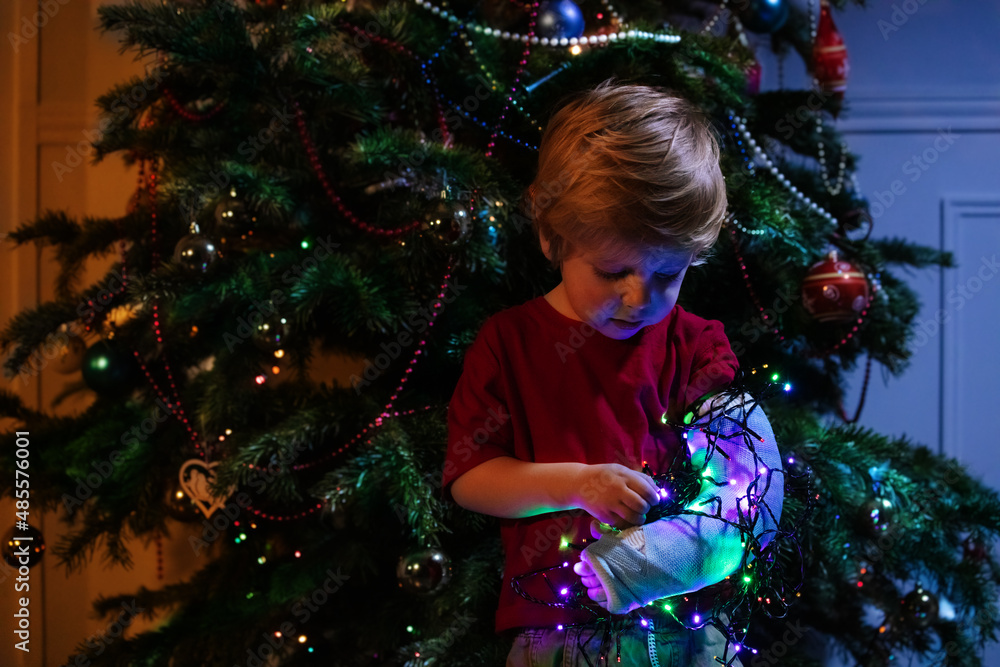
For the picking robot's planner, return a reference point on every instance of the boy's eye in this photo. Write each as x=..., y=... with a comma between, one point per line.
x=618, y=275
x=607, y=275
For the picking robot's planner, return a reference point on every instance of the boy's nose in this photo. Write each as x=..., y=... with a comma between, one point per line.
x=637, y=292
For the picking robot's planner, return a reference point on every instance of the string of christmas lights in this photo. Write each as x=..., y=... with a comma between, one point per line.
x=757, y=584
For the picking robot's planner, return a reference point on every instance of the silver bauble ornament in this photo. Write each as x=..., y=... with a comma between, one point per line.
x=447, y=221
x=424, y=572
x=195, y=253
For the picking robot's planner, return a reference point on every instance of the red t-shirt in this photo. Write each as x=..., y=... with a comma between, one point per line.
x=539, y=386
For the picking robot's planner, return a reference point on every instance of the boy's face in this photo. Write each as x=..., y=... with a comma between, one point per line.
x=619, y=291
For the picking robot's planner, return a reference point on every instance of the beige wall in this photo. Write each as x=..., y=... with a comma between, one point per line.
x=50, y=78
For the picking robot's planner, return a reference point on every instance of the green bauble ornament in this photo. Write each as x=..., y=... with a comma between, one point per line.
x=107, y=370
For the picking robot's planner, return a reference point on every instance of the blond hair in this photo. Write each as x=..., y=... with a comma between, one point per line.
x=628, y=164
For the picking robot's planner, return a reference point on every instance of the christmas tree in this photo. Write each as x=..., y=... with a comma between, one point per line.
x=340, y=180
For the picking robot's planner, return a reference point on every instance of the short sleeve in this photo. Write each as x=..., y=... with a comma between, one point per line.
x=479, y=427
x=714, y=366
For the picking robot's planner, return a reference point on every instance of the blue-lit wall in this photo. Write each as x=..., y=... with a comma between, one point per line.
x=923, y=113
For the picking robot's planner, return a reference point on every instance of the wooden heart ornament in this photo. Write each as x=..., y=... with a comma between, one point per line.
x=197, y=478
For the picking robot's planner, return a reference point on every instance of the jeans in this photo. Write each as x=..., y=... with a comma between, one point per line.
x=672, y=646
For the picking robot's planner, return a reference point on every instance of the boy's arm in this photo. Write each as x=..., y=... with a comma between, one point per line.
x=509, y=488
x=686, y=552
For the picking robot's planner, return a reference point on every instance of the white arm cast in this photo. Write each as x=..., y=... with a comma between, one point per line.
x=684, y=553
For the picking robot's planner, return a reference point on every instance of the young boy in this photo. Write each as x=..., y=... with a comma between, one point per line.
x=560, y=402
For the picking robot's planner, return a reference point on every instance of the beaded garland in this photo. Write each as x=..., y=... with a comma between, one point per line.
x=534, y=40
x=738, y=124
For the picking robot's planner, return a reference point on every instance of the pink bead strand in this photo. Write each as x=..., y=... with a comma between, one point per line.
x=317, y=166
x=192, y=116
x=285, y=517
x=533, y=16
x=753, y=293
x=435, y=311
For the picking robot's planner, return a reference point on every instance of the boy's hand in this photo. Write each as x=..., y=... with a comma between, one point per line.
x=615, y=495
x=595, y=590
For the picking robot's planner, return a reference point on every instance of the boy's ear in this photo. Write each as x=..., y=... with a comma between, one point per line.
x=546, y=246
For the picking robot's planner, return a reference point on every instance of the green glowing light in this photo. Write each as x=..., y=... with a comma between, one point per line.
x=774, y=378
x=409, y=628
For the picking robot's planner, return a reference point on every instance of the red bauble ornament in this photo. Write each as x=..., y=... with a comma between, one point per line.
x=835, y=290
x=829, y=66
